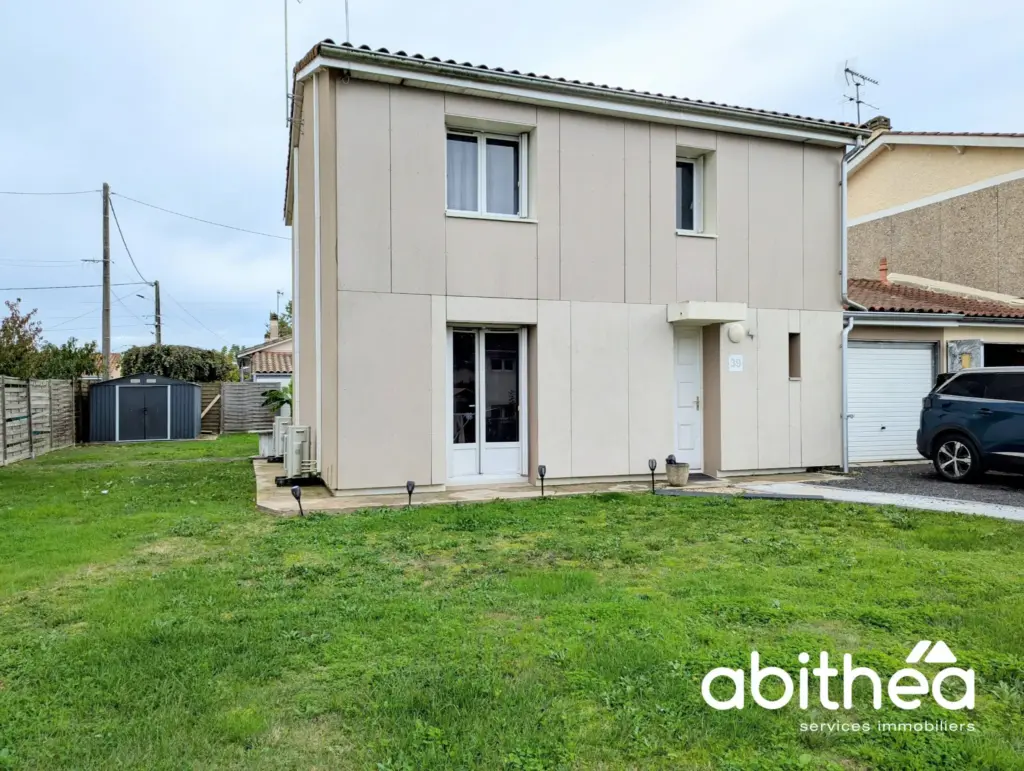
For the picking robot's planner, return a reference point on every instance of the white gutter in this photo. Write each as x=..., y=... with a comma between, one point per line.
x=847, y=328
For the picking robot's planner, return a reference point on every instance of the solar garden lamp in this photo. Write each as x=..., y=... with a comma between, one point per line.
x=542, y=471
x=409, y=487
x=652, y=464
x=297, y=495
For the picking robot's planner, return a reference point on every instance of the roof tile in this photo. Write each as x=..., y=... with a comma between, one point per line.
x=272, y=362
x=896, y=298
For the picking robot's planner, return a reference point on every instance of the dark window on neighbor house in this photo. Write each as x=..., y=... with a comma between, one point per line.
x=794, y=355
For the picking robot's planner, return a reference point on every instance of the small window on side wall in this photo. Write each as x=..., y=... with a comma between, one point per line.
x=689, y=195
x=486, y=174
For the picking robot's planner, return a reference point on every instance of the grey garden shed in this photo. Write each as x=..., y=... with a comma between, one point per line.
x=141, y=408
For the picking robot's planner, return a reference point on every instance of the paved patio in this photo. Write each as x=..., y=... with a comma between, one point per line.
x=278, y=500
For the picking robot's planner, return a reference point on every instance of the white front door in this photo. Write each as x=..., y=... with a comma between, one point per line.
x=486, y=401
x=689, y=422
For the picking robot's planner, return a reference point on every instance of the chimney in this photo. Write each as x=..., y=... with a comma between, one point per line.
x=275, y=328
x=883, y=271
x=877, y=125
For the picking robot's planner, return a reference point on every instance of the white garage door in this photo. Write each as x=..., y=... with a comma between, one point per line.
x=886, y=384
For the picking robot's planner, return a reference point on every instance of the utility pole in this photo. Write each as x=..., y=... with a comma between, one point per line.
x=156, y=317
x=106, y=281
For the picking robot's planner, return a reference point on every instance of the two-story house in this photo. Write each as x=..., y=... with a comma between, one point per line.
x=936, y=262
x=495, y=270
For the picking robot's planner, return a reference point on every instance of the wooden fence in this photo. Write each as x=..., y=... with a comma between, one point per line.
x=38, y=416
x=242, y=407
x=211, y=410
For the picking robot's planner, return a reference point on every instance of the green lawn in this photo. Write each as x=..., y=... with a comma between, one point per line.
x=167, y=624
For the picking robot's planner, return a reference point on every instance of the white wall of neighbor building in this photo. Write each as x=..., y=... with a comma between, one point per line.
x=591, y=269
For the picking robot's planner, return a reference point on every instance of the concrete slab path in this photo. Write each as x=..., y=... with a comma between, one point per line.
x=927, y=503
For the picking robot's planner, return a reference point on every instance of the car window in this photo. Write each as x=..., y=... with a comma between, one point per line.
x=970, y=384
x=1008, y=386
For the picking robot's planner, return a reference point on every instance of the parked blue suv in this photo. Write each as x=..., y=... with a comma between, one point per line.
x=973, y=422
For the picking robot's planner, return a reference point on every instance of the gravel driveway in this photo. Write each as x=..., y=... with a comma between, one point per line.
x=921, y=479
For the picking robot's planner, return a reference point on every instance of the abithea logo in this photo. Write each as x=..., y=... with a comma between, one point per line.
x=905, y=683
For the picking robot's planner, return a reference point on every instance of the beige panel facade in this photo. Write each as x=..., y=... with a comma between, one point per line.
x=600, y=388
x=591, y=199
x=385, y=349
x=589, y=275
x=975, y=239
x=776, y=184
x=304, y=280
x=907, y=173
x=491, y=258
x=417, y=191
x=327, y=427
x=364, y=210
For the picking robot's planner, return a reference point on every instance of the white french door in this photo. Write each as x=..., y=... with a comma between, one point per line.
x=486, y=403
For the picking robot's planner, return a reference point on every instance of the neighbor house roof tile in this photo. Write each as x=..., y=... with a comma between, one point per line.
x=272, y=362
x=896, y=298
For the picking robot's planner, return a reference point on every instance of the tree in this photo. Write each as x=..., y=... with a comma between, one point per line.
x=19, y=341
x=181, y=362
x=232, y=356
x=284, y=323
x=68, y=361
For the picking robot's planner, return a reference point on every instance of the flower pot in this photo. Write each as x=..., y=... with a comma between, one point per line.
x=678, y=474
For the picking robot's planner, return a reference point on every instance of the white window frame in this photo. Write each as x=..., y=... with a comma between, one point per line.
x=698, y=193
x=481, y=175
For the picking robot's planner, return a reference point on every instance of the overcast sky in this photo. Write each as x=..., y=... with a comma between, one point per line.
x=181, y=104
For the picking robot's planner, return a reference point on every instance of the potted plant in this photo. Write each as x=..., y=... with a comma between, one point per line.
x=678, y=473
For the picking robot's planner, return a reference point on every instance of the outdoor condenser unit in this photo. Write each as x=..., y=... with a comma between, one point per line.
x=280, y=432
x=296, y=458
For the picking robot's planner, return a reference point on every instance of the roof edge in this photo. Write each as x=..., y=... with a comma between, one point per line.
x=327, y=51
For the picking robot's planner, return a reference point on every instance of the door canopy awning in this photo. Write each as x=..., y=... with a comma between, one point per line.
x=699, y=313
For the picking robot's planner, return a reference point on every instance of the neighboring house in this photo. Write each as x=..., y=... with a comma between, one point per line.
x=496, y=270
x=270, y=362
x=936, y=257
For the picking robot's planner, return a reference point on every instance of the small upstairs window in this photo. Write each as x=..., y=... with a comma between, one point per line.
x=486, y=174
x=689, y=195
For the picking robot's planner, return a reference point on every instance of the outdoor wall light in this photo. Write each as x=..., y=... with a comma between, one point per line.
x=409, y=487
x=542, y=471
x=734, y=332
x=297, y=495
x=652, y=464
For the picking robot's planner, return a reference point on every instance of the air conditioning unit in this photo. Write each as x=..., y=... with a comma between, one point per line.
x=280, y=433
x=297, y=452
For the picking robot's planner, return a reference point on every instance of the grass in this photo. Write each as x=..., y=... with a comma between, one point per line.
x=166, y=624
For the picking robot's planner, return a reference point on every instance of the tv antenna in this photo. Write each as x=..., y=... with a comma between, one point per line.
x=857, y=79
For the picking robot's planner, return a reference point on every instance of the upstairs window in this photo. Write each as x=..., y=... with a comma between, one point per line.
x=689, y=195
x=486, y=174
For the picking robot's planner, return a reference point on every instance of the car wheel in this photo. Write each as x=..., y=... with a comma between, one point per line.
x=956, y=459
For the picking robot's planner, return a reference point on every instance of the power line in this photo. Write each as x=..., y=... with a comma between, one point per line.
x=70, y=286
x=62, y=192
x=127, y=308
x=120, y=233
x=197, y=320
x=74, y=318
x=200, y=219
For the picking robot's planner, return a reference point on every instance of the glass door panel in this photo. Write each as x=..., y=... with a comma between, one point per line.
x=501, y=378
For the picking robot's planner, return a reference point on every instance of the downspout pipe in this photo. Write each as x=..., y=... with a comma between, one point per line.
x=846, y=302
x=847, y=328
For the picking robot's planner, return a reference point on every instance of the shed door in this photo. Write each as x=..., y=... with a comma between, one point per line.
x=887, y=382
x=142, y=413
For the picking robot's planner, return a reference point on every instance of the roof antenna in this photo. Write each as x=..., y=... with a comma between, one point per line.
x=348, y=38
x=857, y=79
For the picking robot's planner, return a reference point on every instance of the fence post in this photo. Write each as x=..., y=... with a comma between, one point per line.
x=3, y=421
x=31, y=436
x=222, y=409
x=49, y=397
